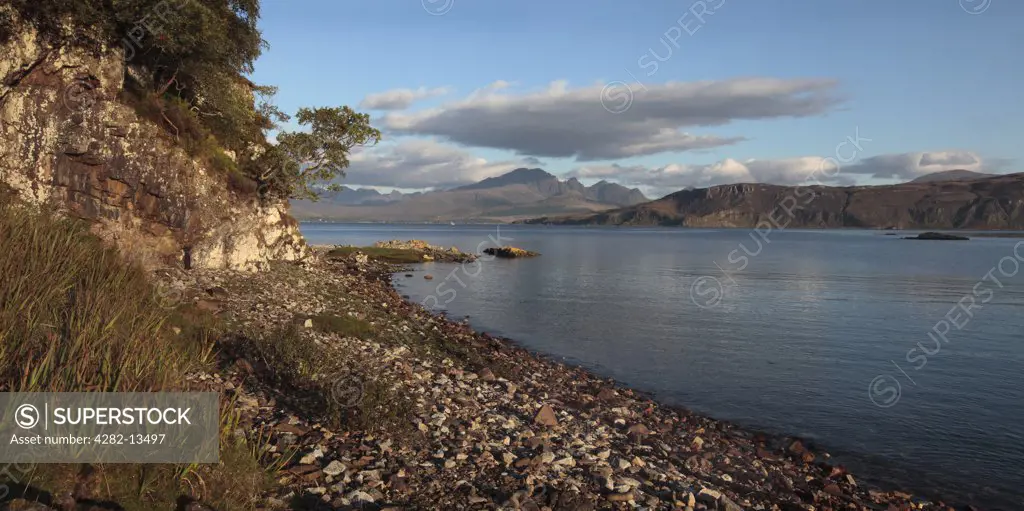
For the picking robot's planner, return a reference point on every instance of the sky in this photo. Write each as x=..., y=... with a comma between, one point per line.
x=659, y=95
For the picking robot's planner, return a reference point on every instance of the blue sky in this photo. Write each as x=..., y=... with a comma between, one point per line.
x=923, y=80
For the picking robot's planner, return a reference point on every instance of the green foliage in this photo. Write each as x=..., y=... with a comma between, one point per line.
x=236, y=482
x=187, y=63
x=195, y=50
x=174, y=115
x=242, y=183
x=292, y=359
x=303, y=159
x=383, y=408
x=345, y=326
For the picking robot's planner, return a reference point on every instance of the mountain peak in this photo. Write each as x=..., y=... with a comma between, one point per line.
x=614, y=193
x=525, y=172
x=520, y=176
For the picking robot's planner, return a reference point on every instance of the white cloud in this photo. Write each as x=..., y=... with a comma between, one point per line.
x=418, y=164
x=911, y=165
x=426, y=163
x=563, y=122
x=659, y=181
x=400, y=99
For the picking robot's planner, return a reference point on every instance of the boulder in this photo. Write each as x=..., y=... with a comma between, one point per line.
x=508, y=252
x=546, y=417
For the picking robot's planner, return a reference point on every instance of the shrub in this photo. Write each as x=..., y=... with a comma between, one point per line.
x=335, y=385
x=290, y=358
x=180, y=122
x=195, y=50
x=241, y=183
x=344, y=325
x=187, y=64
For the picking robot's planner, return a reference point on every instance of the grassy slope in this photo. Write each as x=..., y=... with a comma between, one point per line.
x=387, y=255
x=75, y=317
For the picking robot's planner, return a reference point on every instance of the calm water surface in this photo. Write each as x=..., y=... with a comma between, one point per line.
x=822, y=334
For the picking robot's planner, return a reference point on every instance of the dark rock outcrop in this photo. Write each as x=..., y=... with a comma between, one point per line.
x=992, y=203
x=509, y=252
x=938, y=236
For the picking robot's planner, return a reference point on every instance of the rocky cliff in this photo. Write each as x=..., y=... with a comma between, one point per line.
x=66, y=141
x=992, y=203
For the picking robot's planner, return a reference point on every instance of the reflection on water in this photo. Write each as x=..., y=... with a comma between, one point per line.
x=797, y=337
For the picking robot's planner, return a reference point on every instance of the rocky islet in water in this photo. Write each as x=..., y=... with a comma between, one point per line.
x=508, y=252
x=937, y=236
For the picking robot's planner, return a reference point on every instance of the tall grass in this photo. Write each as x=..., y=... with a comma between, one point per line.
x=74, y=316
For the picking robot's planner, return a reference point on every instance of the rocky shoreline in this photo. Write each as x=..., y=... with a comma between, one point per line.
x=437, y=416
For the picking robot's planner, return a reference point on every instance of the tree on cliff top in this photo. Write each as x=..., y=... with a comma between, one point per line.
x=196, y=51
x=320, y=155
x=187, y=61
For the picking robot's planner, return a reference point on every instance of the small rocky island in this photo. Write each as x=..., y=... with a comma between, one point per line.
x=403, y=252
x=938, y=236
x=508, y=252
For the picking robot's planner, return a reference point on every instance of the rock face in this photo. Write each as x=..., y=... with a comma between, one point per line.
x=991, y=203
x=67, y=142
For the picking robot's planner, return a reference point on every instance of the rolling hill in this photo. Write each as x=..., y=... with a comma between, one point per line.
x=951, y=175
x=995, y=202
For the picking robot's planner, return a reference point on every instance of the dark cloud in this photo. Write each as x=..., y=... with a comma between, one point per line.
x=581, y=123
x=907, y=166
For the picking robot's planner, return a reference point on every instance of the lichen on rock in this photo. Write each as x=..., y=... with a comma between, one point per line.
x=68, y=142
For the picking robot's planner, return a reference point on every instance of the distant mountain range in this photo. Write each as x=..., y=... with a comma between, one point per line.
x=520, y=194
x=951, y=200
x=360, y=196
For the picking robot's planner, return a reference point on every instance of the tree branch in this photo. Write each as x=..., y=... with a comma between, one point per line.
x=163, y=89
